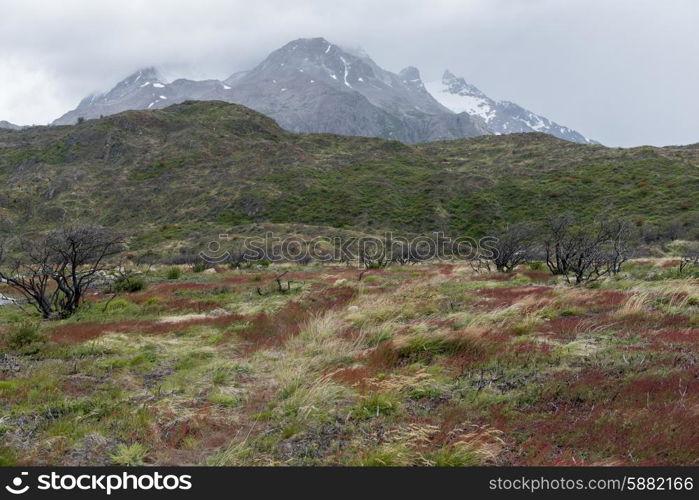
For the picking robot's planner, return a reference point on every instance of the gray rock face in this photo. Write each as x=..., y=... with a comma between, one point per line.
x=145, y=89
x=309, y=85
x=501, y=117
x=312, y=85
x=11, y=126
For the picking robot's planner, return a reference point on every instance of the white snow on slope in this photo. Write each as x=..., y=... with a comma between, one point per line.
x=470, y=104
x=346, y=71
x=536, y=123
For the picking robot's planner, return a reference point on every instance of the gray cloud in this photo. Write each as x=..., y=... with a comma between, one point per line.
x=623, y=72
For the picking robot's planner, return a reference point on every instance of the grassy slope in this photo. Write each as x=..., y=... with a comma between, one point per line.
x=414, y=365
x=198, y=168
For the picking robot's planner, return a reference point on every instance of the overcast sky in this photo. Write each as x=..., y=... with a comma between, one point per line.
x=624, y=72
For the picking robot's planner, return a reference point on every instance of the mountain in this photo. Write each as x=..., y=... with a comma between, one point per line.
x=8, y=125
x=501, y=117
x=312, y=85
x=309, y=85
x=145, y=89
x=172, y=176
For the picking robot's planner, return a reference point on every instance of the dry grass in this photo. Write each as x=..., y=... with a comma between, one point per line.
x=425, y=365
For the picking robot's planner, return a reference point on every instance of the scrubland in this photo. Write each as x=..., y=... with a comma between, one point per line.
x=430, y=365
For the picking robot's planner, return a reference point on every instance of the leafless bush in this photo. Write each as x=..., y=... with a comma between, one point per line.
x=55, y=271
x=281, y=286
x=620, y=243
x=512, y=246
x=586, y=251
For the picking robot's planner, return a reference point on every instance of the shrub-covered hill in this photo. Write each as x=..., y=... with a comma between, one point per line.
x=201, y=166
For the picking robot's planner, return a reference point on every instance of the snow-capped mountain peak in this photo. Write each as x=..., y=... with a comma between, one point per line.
x=145, y=89
x=146, y=77
x=314, y=85
x=461, y=97
x=501, y=117
x=459, y=86
x=356, y=95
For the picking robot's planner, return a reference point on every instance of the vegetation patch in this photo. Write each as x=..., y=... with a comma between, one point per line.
x=439, y=367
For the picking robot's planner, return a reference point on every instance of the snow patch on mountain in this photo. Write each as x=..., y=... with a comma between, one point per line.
x=462, y=103
x=501, y=117
x=312, y=85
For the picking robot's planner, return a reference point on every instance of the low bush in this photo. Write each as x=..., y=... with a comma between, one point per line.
x=129, y=456
x=455, y=456
x=173, y=273
x=223, y=400
x=419, y=346
x=388, y=455
x=376, y=405
x=25, y=334
x=129, y=285
x=536, y=266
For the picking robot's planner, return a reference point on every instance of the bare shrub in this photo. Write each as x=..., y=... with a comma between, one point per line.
x=55, y=271
x=586, y=251
x=511, y=247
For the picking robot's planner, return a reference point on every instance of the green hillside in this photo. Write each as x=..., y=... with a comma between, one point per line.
x=201, y=167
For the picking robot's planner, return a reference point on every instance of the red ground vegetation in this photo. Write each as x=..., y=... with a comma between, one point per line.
x=494, y=277
x=445, y=269
x=636, y=421
x=681, y=335
x=537, y=276
x=566, y=327
x=356, y=375
x=206, y=430
x=266, y=330
x=74, y=333
x=599, y=300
